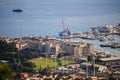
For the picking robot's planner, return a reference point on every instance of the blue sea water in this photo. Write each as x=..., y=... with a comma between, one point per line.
x=43, y=17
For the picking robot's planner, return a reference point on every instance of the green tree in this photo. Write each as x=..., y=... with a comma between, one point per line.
x=89, y=58
x=7, y=47
x=46, y=71
x=88, y=78
x=5, y=72
x=59, y=62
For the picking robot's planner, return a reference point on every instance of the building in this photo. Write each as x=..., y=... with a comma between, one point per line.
x=79, y=48
x=89, y=49
x=20, y=45
x=101, y=68
x=110, y=62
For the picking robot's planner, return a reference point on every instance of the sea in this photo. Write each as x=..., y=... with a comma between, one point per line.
x=38, y=19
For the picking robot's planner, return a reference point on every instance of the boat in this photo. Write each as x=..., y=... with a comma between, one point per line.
x=104, y=45
x=102, y=39
x=87, y=37
x=17, y=10
x=112, y=45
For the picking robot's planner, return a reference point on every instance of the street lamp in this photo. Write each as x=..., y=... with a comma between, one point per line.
x=94, y=65
x=46, y=60
x=55, y=62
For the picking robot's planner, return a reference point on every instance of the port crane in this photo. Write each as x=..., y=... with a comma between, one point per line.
x=65, y=31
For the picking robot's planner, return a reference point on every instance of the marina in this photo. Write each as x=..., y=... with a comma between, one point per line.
x=97, y=44
x=104, y=38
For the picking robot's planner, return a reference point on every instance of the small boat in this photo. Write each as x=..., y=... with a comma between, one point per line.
x=104, y=45
x=17, y=10
x=102, y=39
x=87, y=37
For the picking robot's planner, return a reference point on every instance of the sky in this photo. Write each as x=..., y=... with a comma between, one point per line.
x=43, y=17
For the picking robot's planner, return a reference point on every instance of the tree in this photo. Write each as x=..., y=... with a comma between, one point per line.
x=88, y=78
x=77, y=79
x=27, y=67
x=7, y=47
x=89, y=58
x=5, y=72
x=59, y=62
x=46, y=71
x=81, y=78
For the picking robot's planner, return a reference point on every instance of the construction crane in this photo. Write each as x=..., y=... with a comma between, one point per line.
x=65, y=31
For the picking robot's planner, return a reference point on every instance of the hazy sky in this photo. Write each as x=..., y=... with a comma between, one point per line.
x=43, y=17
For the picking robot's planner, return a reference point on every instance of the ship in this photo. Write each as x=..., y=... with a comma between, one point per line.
x=17, y=10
